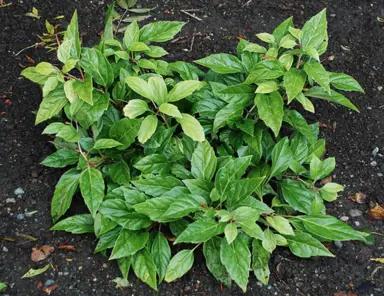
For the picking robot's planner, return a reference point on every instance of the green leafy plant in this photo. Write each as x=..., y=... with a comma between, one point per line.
x=167, y=152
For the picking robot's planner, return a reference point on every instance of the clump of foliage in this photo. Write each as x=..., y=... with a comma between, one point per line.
x=169, y=153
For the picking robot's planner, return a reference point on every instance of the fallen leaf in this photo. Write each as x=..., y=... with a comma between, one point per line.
x=26, y=236
x=380, y=260
x=326, y=180
x=121, y=283
x=68, y=248
x=358, y=197
x=380, y=19
x=344, y=294
x=34, y=272
x=39, y=253
x=376, y=213
x=69, y=259
x=39, y=284
x=50, y=289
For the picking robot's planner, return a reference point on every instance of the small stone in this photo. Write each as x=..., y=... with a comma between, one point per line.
x=66, y=273
x=34, y=174
x=105, y=265
x=187, y=289
x=380, y=88
x=299, y=284
x=20, y=216
x=373, y=163
x=357, y=223
x=344, y=218
x=5, y=249
x=338, y=244
x=49, y=283
x=380, y=174
x=355, y=213
x=19, y=191
x=375, y=151
x=10, y=200
x=260, y=284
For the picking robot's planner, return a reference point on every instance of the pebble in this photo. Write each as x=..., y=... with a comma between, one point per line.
x=20, y=216
x=5, y=249
x=375, y=151
x=49, y=283
x=380, y=88
x=355, y=213
x=338, y=244
x=187, y=289
x=10, y=200
x=19, y=191
x=344, y=218
x=357, y=223
x=380, y=174
x=373, y=163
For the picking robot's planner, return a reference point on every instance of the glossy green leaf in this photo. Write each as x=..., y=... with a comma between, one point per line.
x=267, y=87
x=72, y=35
x=317, y=72
x=152, y=164
x=97, y=66
x=269, y=241
x=157, y=186
x=315, y=30
x=125, y=131
x=203, y=162
x=211, y=250
x=280, y=224
x=144, y=267
x=76, y=224
x=64, y=191
x=345, y=82
x=230, y=232
x=294, y=81
x=140, y=86
x=260, y=262
x=135, y=108
x=200, y=231
x=147, y=128
x=170, y=109
x=51, y=104
x=222, y=63
x=161, y=254
x=106, y=144
x=304, y=245
x=329, y=227
x=281, y=157
x=179, y=265
x=191, y=127
x=267, y=69
x=92, y=189
x=270, y=110
x=61, y=158
x=321, y=168
x=160, y=31
x=333, y=96
x=120, y=172
x=236, y=258
x=129, y=243
x=183, y=89
x=297, y=195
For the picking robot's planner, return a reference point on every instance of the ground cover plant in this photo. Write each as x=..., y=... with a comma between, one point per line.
x=169, y=153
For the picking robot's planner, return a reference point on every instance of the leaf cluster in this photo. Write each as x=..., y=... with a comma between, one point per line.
x=174, y=153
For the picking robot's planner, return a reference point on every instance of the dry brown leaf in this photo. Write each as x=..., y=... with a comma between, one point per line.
x=380, y=260
x=376, y=213
x=68, y=248
x=358, y=197
x=39, y=253
x=50, y=289
x=326, y=180
x=344, y=294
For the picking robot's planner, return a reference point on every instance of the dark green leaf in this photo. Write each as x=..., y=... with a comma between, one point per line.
x=161, y=253
x=144, y=267
x=128, y=243
x=92, y=189
x=345, y=82
x=270, y=110
x=160, y=31
x=260, y=262
x=297, y=195
x=77, y=224
x=200, y=231
x=211, y=251
x=61, y=158
x=157, y=186
x=97, y=66
x=125, y=131
x=317, y=72
x=222, y=63
x=203, y=161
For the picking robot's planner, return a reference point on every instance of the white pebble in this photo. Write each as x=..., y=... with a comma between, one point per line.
x=10, y=200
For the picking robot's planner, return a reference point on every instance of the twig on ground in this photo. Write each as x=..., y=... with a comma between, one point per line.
x=31, y=46
x=191, y=15
x=246, y=4
x=193, y=40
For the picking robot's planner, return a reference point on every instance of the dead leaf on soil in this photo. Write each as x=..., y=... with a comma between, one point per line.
x=376, y=213
x=326, y=180
x=50, y=289
x=34, y=272
x=358, y=197
x=380, y=260
x=39, y=253
x=344, y=294
x=68, y=248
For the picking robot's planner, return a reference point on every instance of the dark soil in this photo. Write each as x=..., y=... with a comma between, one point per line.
x=353, y=25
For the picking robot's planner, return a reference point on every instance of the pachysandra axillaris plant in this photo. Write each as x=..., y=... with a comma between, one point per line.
x=179, y=153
